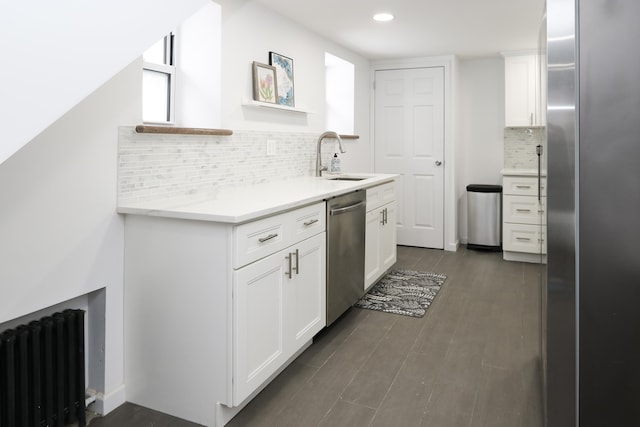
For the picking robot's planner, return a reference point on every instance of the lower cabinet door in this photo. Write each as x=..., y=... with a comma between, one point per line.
x=306, y=309
x=259, y=346
x=279, y=304
x=388, y=241
x=380, y=243
x=372, y=268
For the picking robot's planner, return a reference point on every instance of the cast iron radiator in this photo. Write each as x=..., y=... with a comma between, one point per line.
x=42, y=380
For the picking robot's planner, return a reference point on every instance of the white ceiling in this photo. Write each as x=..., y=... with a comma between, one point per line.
x=467, y=28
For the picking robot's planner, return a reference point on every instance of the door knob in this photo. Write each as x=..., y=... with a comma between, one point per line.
x=438, y=162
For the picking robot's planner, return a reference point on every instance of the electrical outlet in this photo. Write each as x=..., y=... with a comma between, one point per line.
x=271, y=147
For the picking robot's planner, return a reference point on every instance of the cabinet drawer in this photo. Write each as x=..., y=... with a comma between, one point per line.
x=523, y=186
x=309, y=221
x=257, y=239
x=380, y=195
x=524, y=238
x=524, y=209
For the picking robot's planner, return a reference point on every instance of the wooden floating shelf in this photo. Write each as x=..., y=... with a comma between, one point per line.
x=182, y=131
x=260, y=104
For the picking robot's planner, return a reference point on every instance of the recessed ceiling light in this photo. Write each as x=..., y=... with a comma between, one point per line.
x=383, y=17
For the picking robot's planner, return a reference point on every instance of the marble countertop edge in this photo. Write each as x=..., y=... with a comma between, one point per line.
x=239, y=204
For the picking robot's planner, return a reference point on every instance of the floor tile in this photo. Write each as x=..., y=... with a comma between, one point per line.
x=344, y=414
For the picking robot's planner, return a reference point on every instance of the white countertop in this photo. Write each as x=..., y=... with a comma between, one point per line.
x=522, y=172
x=236, y=205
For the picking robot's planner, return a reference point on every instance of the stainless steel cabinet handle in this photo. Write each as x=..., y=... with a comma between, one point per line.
x=386, y=218
x=523, y=186
x=269, y=237
x=383, y=213
x=526, y=239
x=288, y=258
x=523, y=210
x=310, y=222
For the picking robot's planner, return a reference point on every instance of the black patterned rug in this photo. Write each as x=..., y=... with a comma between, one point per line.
x=405, y=292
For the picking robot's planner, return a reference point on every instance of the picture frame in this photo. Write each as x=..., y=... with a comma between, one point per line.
x=265, y=88
x=284, y=75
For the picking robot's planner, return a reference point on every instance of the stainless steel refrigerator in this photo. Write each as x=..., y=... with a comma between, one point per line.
x=592, y=311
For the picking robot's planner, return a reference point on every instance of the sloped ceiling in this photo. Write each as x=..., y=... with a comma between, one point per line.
x=57, y=53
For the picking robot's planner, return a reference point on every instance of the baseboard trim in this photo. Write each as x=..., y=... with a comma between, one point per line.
x=523, y=257
x=105, y=403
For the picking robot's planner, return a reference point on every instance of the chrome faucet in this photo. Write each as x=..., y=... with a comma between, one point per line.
x=328, y=134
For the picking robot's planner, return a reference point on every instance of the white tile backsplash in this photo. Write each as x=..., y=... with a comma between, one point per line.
x=520, y=147
x=152, y=166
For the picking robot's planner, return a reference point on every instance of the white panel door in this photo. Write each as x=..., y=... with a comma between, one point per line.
x=409, y=141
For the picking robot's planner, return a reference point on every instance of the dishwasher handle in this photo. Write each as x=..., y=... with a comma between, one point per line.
x=346, y=209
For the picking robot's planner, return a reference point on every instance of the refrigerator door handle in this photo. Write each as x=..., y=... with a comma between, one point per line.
x=539, y=153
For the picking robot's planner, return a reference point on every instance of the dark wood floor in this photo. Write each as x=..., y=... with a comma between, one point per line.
x=472, y=360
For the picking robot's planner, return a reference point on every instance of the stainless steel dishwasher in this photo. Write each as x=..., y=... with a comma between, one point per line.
x=345, y=252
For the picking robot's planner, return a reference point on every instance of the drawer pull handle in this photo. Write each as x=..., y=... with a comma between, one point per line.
x=310, y=222
x=523, y=210
x=523, y=186
x=526, y=239
x=269, y=237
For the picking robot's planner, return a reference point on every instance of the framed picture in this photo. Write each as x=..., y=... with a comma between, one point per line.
x=284, y=73
x=264, y=83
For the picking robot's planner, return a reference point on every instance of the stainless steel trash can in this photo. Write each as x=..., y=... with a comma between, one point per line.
x=484, y=216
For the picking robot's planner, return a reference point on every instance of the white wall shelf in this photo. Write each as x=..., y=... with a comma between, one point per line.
x=260, y=104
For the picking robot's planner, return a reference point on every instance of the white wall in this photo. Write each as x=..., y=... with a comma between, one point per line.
x=480, y=128
x=71, y=82
x=61, y=236
x=198, y=75
x=57, y=53
x=250, y=31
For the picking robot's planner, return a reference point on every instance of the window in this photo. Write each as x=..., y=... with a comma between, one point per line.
x=340, y=94
x=158, y=81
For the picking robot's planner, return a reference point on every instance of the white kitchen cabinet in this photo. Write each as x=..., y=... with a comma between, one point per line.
x=524, y=218
x=380, y=233
x=211, y=312
x=525, y=104
x=279, y=305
